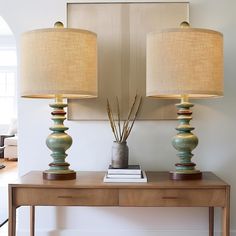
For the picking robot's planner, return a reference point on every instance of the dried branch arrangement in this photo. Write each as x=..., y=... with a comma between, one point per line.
x=122, y=132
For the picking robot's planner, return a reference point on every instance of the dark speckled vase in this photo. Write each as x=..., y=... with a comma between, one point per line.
x=119, y=155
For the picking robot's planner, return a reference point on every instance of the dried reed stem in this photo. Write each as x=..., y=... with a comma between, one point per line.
x=135, y=116
x=118, y=116
x=126, y=122
x=122, y=135
x=112, y=122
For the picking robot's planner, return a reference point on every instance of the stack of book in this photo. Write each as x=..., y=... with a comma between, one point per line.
x=131, y=174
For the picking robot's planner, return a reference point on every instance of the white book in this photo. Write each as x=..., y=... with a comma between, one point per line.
x=123, y=176
x=131, y=170
x=126, y=180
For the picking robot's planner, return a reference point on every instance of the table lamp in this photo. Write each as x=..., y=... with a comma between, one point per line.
x=58, y=63
x=184, y=63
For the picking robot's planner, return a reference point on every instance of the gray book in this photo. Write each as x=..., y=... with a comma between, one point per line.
x=143, y=179
x=131, y=170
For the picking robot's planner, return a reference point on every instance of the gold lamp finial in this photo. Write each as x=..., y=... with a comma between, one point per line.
x=184, y=24
x=58, y=24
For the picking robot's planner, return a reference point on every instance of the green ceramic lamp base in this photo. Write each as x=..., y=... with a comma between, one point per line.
x=184, y=142
x=58, y=142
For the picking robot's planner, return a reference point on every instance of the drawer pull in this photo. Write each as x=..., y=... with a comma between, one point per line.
x=170, y=198
x=70, y=197
x=64, y=197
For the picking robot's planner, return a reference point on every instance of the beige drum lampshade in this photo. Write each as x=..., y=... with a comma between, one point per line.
x=59, y=61
x=184, y=61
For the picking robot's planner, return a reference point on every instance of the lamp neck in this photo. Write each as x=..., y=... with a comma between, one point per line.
x=58, y=98
x=184, y=98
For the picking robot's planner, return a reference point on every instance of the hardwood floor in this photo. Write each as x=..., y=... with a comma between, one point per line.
x=7, y=174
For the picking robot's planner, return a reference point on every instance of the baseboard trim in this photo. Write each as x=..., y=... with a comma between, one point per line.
x=123, y=233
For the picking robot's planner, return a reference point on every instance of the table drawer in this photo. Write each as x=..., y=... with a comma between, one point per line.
x=172, y=197
x=65, y=197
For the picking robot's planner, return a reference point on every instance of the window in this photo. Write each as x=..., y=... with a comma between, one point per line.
x=7, y=85
x=8, y=65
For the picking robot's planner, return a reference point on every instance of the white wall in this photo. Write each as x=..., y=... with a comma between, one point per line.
x=149, y=142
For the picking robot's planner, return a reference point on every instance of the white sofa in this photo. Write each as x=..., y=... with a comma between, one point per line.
x=9, y=141
x=10, y=151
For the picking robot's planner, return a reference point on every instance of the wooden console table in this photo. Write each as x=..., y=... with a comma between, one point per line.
x=89, y=190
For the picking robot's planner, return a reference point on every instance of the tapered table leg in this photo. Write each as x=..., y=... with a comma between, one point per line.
x=32, y=220
x=12, y=215
x=226, y=215
x=211, y=221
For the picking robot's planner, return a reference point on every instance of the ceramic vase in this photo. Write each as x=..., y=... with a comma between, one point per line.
x=119, y=155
